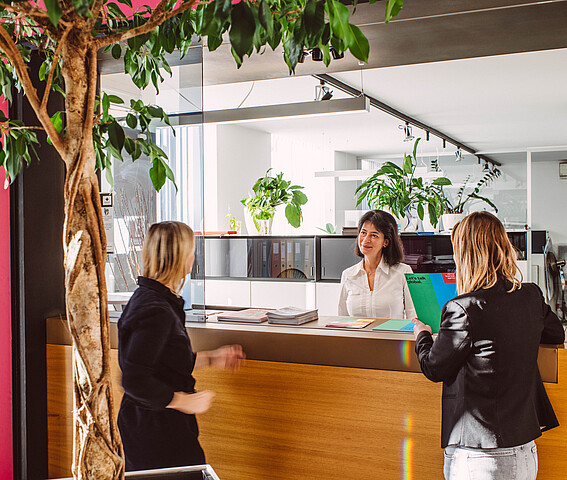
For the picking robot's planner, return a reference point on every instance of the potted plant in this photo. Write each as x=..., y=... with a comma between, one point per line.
x=453, y=210
x=270, y=192
x=399, y=190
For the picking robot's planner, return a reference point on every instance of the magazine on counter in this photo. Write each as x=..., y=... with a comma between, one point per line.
x=250, y=315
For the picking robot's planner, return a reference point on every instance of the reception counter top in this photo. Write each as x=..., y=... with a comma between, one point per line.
x=311, y=344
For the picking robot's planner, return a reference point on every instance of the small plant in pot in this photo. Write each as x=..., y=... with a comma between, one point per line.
x=401, y=192
x=268, y=193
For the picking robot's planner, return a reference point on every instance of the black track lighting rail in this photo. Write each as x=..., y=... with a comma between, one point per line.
x=329, y=79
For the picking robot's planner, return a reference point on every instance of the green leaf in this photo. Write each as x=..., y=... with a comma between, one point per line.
x=156, y=112
x=53, y=11
x=157, y=174
x=131, y=121
x=442, y=181
x=42, y=71
x=293, y=215
x=109, y=178
x=115, y=99
x=338, y=18
x=407, y=165
x=299, y=197
x=116, y=51
x=57, y=121
x=242, y=29
x=359, y=46
x=420, y=212
x=313, y=21
x=116, y=136
x=266, y=18
x=393, y=7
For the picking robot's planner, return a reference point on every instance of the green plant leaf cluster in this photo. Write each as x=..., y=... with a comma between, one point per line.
x=399, y=190
x=110, y=139
x=270, y=192
x=19, y=146
x=329, y=229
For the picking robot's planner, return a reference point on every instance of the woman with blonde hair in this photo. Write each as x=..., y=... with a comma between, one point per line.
x=494, y=403
x=157, y=414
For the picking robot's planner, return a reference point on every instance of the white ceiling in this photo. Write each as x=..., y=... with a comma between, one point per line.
x=507, y=103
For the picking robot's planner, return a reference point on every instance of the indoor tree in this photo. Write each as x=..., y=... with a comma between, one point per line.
x=67, y=35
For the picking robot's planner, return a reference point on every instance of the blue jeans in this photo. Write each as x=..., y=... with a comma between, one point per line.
x=513, y=463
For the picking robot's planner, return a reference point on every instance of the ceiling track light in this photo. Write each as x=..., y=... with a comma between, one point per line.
x=458, y=154
x=408, y=137
x=427, y=135
x=486, y=167
x=444, y=143
x=322, y=92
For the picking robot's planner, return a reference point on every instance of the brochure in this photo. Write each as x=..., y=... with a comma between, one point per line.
x=429, y=292
x=350, y=323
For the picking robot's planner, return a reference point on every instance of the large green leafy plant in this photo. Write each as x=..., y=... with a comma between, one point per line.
x=67, y=35
x=399, y=190
x=270, y=192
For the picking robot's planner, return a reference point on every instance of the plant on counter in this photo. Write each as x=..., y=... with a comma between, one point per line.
x=400, y=191
x=270, y=192
x=233, y=223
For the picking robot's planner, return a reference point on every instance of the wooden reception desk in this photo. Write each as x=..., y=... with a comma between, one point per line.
x=311, y=402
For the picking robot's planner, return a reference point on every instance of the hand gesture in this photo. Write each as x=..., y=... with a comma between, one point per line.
x=419, y=327
x=189, y=403
x=228, y=356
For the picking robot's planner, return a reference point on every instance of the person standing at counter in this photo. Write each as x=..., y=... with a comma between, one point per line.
x=494, y=402
x=376, y=286
x=157, y=414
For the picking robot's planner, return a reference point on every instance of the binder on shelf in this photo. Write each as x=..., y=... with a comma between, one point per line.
x=283, y=258
x=266, y=272
x=289, y=259
x=276, y=263
x=307, y=262
x=298, y=256
x=257, y=258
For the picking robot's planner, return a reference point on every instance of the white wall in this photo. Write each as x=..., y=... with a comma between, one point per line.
x=549, y=197
x=235, y=157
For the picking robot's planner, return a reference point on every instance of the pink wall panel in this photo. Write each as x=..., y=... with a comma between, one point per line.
x=5, y=332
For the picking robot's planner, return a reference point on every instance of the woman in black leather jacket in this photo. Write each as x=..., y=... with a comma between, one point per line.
x=494, y=402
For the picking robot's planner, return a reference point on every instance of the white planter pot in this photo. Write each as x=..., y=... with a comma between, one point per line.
x=449, y=220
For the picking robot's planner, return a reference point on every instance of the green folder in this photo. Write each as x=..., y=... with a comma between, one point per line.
x=429, y=292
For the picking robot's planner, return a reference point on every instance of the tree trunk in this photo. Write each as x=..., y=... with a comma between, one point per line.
x=97, y=452
x=97, y=446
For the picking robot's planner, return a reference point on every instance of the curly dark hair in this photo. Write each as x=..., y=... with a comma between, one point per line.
x=386, y=224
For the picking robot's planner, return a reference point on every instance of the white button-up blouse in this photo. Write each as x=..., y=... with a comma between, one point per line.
x=390, y=297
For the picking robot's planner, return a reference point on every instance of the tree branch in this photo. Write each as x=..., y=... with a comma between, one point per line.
x=53, y=68
x=90, y=115
x=15, y=58
x=157, y=17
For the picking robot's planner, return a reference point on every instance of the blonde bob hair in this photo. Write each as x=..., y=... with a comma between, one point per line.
x=167, y=247
x=483, y=253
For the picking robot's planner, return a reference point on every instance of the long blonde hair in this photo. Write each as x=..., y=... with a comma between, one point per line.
x=167, y=247
x=483, y=253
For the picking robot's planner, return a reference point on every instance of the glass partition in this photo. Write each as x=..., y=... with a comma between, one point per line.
x=134, y=204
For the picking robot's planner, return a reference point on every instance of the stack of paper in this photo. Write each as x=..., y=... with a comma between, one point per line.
x=250, y=315
x=291, y=316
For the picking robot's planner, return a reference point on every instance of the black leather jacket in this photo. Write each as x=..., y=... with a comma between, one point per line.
x=486, y=356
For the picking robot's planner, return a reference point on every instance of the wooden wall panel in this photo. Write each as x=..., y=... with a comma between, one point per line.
x=291, y=421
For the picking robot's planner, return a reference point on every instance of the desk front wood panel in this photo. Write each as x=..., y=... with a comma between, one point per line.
x=291, y=421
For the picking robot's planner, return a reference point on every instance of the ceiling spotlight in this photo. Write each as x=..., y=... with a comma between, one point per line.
x=302, y=56
x=408, y=137
x=427, y=135
x=486, y=167
x=317, y=54
x=458, y=155
x=336, y=55
x=444, y=143
x=323, y=92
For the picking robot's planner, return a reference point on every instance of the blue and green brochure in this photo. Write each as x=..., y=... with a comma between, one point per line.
x=430, y=292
